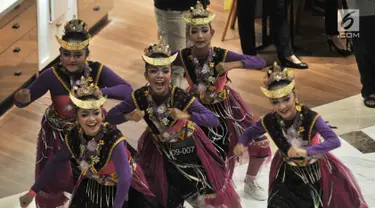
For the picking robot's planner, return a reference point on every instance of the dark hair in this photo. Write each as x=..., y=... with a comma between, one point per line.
x=275, y=84
x=155, y=55
x=89, y=97
x=188, y=25
x=75, y=36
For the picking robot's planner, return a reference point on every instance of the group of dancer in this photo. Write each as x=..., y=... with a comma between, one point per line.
x=193, y=137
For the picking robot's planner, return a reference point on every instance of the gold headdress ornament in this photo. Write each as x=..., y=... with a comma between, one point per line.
x=87, y=89
x=75, y=25
x=198, y=15
x=278, y=74
x=159, y=48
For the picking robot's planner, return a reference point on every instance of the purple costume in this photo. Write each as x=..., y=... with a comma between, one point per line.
x=212, y=90
x=331, y=141
x=318, y=180
x=60, y=116
x=106, y=183
x=119, y=158
x=199, y=114
x=178, y=159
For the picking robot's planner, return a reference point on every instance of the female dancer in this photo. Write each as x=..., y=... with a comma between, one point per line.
x=207, y=68
x=99, y=150
x=59, y=80
x=303, y=172
x=179, y=161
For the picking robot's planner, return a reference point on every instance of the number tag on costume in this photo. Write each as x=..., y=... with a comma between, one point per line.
x=183, y=150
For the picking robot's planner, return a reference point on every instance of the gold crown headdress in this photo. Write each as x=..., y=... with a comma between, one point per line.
x=87, y=88
x=159, y=48
x=198, y=15
x=278, y=74
x=75, y=25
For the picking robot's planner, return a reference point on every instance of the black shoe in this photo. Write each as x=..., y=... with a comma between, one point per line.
x=290, y=64
x=342, y=51
x=369, y=101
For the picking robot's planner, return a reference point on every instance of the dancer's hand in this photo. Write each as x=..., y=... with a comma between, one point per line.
x=206, y=97
x=224, y=67
x=301, y=152
x=296, y=152
x=136, y=115
x=26, y=199
x=23, y=96
x=239, y=149
x=177, y=114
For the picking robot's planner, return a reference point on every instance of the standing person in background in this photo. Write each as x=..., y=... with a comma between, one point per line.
x=364, y=49
x=172, y=27
x=279, y=24
x=333, y=39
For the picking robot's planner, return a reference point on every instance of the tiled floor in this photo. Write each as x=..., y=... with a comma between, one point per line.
x=349, y=115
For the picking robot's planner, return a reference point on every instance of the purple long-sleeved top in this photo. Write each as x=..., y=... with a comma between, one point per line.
x=111, y=85
x=250, y=62
x=199, y=114
x=120, y=161
x=331, y=141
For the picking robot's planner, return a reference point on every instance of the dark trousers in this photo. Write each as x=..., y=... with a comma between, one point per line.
x=364, y=51
x=279, y=26
x=331, y=8
x=246, y=14
x=246, y=28
x=331, y=21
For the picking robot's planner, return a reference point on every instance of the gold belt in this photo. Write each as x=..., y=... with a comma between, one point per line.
x=299, y=162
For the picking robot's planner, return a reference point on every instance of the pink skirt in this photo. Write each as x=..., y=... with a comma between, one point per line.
x=152, y=162
x=339, y=186
x=48, y=144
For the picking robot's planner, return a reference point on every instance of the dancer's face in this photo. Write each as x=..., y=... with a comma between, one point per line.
x=90, y=120
x=73, y=60
x=201, y=35
x=285, y=106
x=159, y=78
